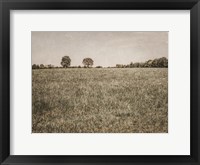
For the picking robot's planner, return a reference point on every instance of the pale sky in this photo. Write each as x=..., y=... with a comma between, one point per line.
x=105, y=48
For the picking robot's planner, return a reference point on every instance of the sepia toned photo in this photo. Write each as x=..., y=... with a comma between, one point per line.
x=99, y=82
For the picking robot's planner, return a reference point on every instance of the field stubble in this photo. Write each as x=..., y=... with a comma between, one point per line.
x=126, y=100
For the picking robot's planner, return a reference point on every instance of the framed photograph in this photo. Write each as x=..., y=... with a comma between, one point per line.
x=102, y=82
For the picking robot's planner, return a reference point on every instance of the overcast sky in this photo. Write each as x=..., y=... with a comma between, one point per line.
x=105, y=48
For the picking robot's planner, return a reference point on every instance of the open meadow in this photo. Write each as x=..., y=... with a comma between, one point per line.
x=100, y=100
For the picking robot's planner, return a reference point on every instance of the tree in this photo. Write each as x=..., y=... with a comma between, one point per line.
x=66, y=62
x=41, y=66
x=141, y=65
x=128, y=66
x=87, y=62
x=155, y=63
x=148, y=63
x=136, y=65
x=119, y=66
x=131, y=65
x=50, y=66
x=163, y=62
x=34, y=66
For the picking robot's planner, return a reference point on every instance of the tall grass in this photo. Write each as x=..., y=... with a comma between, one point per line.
x=100, y=100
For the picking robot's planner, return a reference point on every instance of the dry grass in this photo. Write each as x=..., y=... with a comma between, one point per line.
x=126, y=100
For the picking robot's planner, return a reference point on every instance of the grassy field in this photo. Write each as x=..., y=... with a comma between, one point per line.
x=125, y=100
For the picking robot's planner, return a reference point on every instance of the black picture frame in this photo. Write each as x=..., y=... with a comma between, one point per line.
x=7, y=5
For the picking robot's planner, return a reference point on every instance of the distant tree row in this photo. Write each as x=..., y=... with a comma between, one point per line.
x=35, y=66
x=156, y=63
x=88, y=62
x=65, y=63
x=42, y=66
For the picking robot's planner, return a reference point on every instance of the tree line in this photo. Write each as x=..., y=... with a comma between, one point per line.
x=156, y=63
x=65, y=63
x=88, y=62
